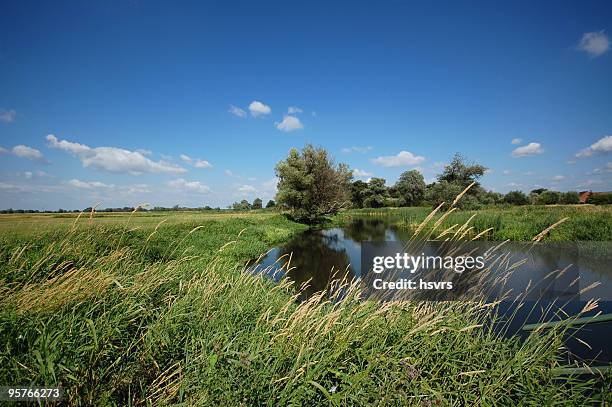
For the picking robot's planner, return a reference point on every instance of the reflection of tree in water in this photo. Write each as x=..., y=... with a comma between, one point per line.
x=314, y=259
x=361, y=230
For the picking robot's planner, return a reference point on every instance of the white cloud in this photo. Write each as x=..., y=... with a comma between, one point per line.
x=529, y=149
x=198, y=163
x=7, y=116
x=361, y=173
x=113, y=159
x=513, y=184
x=229, y=173
x=87, y=184
x=247, y=188
x=294, y=110
x=590, y=182
x=506, y=172
x=28, y=174
x=605, y=168
x=27, y=152
x=258, y=108
x=189, y=186
x=290, y=123
x=602, y=146
x=236, y=111
x=594, y=43
x=558, y=178
x=356, y=149
x=202, y=164
x=402, y=159
x=516, y=141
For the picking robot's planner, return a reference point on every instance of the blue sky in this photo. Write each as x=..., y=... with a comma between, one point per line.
x=124, y=102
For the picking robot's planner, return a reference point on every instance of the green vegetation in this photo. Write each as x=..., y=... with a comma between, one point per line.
x=519, y=223
x=310, y=185
x=141, y=313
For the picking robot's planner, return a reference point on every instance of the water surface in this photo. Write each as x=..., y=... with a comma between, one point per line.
x=320, y=256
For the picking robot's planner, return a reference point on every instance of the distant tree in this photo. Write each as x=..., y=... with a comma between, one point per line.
x=458, y=171
x=538, y=191
x=311, y=185
x=409, y=188
x=455, y=177
x=358, y=189
x=516, y=198
x=569, y=198
x=602, y=198
x=444, y=191
x=257, y=204
x=243, y=205
x=548, y=198
x=490, y=197
x=375, y=194
x=271, y=204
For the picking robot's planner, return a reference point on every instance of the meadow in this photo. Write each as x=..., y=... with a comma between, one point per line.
x=156, y=309
x=517, y=223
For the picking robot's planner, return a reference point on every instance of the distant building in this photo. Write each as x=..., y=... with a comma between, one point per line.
x=585, y=195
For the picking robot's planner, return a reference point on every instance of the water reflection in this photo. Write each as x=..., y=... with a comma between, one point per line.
x=320, y=256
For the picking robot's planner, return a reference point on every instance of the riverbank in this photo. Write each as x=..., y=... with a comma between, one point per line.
x=517, y=223
x=163, y=314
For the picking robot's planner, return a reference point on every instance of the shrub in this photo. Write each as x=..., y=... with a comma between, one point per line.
x=516, y=198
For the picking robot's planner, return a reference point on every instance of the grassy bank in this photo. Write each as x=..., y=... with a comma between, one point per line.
x=518, y=223
x=165, y=315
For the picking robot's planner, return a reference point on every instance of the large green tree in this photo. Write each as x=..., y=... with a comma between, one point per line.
x=455, y=177
x=410, y=188
x=311, y=185
x=376, y=193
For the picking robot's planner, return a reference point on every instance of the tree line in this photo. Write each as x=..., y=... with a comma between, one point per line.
x=311, y=186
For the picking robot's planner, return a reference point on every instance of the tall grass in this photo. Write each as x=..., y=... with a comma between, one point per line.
x=169, y=316
x=517, y=223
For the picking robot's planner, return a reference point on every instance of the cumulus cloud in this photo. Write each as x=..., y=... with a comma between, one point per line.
x=294, y=110
x=361, y=173
x=356, y=149
x=558, y=178
x=236, y=111
x=245, y=190
x=402, y=159
x=258, y=108
x=7, y=116
x=602, y=146
x=198, y=163
x=529, y=149
x=189, y=186
x=113, y=159
x=290, y=123
x=506, y=172
x=516, y=141
x=87, y=184
x=594, y=43
x=26, y=152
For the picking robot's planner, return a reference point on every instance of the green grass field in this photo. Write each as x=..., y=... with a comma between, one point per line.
x=517, y=223
x=143, y=313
